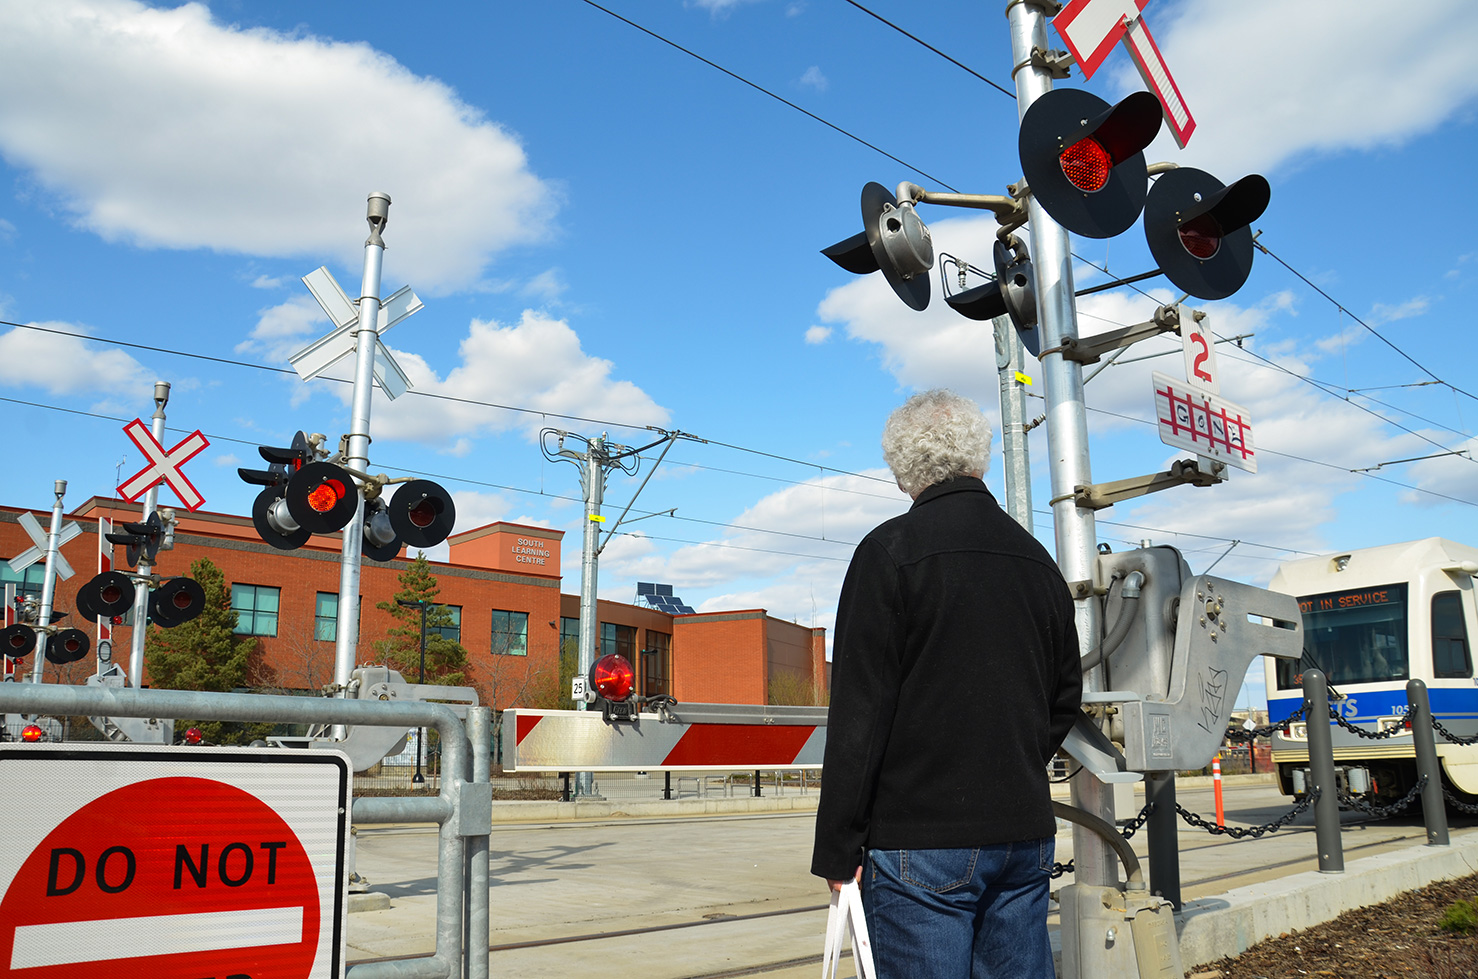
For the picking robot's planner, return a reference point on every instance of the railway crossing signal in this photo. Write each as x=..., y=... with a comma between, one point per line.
x=142, y=539
x=109, y=595
x=892, y=239
x=67, y=646
x=303, y=495
x=1199, y=230
x=17, y=641
x=163, y=467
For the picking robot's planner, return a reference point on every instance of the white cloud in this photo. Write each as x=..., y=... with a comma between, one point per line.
x=718, y=8
x=283, y=329
x=813, y=78
x=165, y=128
x=68, y=363
x=271, y=281
x=810, y=531
x=229, y=460
x=1312, y=78
x=537, y=363
x=7, y=231
x=548, y=286
x=1382, y=313
x=818, y=334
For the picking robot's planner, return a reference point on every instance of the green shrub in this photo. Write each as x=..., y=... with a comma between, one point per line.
x=1461, y=917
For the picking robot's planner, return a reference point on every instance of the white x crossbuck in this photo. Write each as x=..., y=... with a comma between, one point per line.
x=163, y=467
x=26, y=558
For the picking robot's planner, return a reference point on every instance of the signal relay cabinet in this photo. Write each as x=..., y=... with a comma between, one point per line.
x=1175, y=674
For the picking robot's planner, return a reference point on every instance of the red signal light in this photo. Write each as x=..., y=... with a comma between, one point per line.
x=326, y=495
x=1201, y=236
x=422, y=514
x=16, y=640
x=1086, y=165
x=194, y=736
x=32, y=733
x=111, y=594
x=613, y=677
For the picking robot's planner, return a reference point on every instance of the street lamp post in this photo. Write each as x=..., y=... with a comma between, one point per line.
x=424, y=606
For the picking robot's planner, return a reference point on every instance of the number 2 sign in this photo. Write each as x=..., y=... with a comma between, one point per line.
x=1200, y=352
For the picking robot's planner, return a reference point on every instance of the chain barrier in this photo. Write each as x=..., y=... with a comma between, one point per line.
x=1389, y=732
x=1458, y=804
x=1236, y=832
x=1058, y=869
x=1381, y=812
x=1267, y=729
x=1453, y=738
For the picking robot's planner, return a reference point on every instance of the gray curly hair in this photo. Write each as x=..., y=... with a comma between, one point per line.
x=933, y=437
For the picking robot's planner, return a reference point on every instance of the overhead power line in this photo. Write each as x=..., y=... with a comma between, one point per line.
x=1004, y=91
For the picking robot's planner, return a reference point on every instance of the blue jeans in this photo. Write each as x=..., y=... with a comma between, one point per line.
x=960, y=913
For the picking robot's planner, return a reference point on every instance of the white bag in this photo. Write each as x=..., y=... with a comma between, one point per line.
x=845, y=912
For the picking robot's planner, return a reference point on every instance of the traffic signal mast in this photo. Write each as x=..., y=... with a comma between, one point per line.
x=1084, y=171
x=306, y=490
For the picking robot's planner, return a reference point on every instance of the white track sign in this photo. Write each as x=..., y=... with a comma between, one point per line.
x=173, y=863
x=1204, y=423
x=1199, y=347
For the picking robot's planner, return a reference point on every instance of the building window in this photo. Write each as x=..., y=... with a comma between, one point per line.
x=656, y=664
x=453, y=618
x=1450, y=657
x=569, y=634
x=27, y=583
x=256, y=609
x=326, y=617
x=510, y=633
x=620, y=639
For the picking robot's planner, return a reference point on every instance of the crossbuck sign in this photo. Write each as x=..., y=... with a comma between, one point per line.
x=163, y=467
x=1091, y=28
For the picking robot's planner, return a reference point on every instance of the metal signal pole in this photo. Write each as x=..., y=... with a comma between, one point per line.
x=1017, y=458
x=48, y=581
x=356, y=451
x=140, y=629
x=1067, y=431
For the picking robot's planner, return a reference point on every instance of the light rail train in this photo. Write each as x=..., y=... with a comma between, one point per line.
x=1374, y=618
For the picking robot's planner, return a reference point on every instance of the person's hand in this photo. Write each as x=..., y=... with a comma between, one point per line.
x=837, y=885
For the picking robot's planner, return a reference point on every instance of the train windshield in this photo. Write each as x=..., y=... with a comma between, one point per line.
x=1356, y=636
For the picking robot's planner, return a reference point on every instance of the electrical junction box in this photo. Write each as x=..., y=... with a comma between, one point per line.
x=1118, y=934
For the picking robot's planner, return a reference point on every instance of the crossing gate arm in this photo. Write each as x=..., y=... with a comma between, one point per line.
x=692, y=737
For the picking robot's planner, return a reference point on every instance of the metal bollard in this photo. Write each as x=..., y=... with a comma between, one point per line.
x=1321, y=770
x=1434, y=807
x=1162, y=827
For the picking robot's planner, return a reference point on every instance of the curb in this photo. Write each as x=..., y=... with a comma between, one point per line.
x=1231, y=923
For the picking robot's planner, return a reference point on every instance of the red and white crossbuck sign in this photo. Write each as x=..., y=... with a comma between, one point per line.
x=1091, y=28
x=163, y=467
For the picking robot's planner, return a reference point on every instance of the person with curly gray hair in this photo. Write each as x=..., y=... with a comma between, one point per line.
x=955, y=679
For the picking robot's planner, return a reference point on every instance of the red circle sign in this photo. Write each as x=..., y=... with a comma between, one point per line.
x=170, y=878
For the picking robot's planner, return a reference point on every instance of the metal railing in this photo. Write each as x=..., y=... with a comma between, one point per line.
x=462, y=806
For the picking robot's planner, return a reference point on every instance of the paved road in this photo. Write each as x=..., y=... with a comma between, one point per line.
x=732, y=895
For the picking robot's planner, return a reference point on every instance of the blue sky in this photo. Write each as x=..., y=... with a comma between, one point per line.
x=603, y=226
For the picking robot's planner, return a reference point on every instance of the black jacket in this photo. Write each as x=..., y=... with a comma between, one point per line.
x=955, y=678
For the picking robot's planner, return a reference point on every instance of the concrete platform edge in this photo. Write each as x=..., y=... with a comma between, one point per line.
x=1231, y=923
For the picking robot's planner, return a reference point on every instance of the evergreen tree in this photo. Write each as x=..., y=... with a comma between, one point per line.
x=446, y=660
x=206, y=654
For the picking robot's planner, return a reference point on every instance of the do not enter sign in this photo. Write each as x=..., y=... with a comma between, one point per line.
x=203, y=863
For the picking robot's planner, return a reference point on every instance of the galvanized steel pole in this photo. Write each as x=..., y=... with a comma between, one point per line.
x=593, y=481
x=1017, y=465
x=140, y=629
x=48, y=581
x=1321, y=772
x=1434, y=807
x=356, y=455
x=1067, y=431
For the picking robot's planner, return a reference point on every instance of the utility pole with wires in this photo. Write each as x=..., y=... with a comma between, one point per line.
x=598, y=458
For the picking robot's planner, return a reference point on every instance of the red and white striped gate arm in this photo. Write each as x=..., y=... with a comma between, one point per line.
x=701, y=736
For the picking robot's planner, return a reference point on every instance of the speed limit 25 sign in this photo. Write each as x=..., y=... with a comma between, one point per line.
x=172, y=863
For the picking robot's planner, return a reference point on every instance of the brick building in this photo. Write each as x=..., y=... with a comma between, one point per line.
x=501, y=584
